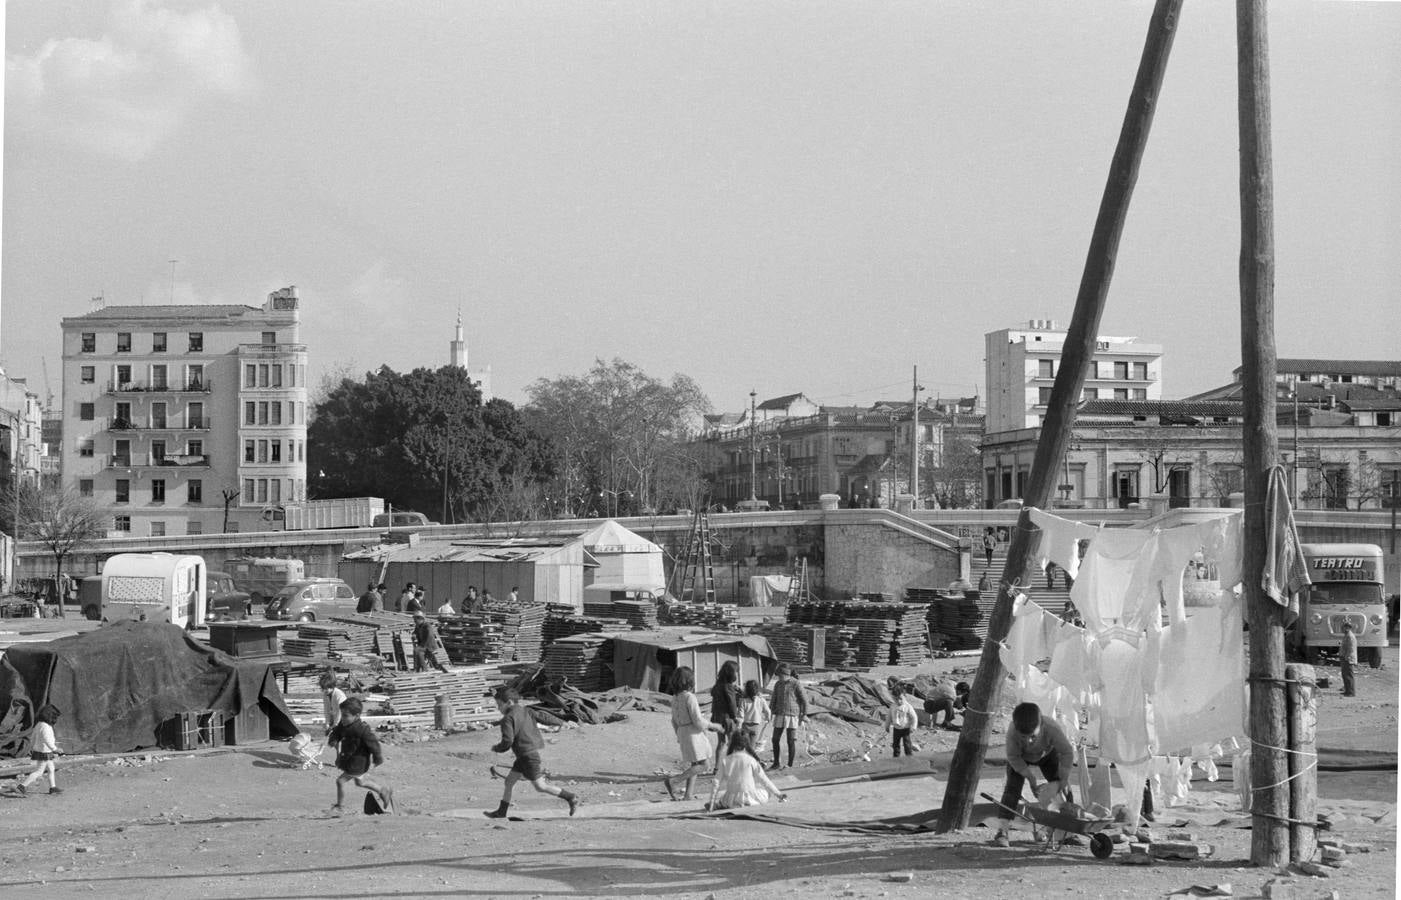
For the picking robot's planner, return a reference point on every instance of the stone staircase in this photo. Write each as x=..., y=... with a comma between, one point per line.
x=1052, y=600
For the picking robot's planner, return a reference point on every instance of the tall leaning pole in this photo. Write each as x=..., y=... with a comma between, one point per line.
x=1077, y=354
x=1269, y=731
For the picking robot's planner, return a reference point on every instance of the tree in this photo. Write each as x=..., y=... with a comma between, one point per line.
x=62, y=520
x=956, y=477
x=422, y=440
x=613, y=429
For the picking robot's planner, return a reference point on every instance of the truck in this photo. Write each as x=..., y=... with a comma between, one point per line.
x=1347, y=586
x=152, y=587
x=262, y=577
x=344, y=512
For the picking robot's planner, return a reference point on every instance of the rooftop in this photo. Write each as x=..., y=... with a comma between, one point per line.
x=1370, y=367
x=176, y=311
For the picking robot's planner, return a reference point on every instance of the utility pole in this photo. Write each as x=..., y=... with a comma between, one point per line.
x=1076, y=356
x=1294, y=472
x=914, y=450
x=1269, y=732
x=753, y=445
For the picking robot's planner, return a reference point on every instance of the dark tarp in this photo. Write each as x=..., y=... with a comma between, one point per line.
x=115, y=686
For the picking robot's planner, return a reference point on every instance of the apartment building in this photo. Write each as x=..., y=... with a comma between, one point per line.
x=1022, y=364
x=173, y=414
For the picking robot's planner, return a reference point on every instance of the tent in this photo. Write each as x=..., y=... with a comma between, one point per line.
x=623, y=556
x=115, y=686
x=646, y=659
x=548, y=569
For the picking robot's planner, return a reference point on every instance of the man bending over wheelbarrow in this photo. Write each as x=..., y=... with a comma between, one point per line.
x=1035, y=741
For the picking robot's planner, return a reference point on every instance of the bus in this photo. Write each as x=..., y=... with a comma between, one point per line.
x=1347, y=587
x=153, y=587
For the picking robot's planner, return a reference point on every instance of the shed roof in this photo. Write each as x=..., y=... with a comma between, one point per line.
x=610, y=537
x=511, y=550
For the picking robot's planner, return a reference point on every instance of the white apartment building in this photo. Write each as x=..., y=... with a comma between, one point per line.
x=169, y=410
x=1022, y=364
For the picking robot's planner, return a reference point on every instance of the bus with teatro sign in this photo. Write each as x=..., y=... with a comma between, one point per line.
x=1347, y=587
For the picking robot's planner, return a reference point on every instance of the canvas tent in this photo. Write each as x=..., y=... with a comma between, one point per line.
x=623, y=556
x=646, y=659
x=114, y=687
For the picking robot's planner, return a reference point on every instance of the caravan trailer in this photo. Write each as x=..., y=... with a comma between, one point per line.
x=154, y=587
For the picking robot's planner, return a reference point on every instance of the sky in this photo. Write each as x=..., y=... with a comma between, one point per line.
x=772, y=196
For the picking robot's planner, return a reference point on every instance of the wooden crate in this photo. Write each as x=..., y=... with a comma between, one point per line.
x=248, y=727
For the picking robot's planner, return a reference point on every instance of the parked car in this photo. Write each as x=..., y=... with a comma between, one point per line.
x=312, y=599
x=401, y=520
x=224, y=601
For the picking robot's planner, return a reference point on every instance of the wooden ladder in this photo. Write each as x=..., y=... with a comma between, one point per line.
x=695, y=564
x=798, y=589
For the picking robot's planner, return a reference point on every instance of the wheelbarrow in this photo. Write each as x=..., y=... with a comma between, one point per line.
x=1101, y=844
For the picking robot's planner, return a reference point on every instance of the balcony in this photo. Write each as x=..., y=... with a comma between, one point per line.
x=186, y=461
x=193, y=386
x=200, y=424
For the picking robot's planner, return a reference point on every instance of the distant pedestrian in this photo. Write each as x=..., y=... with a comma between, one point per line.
x=1050, y=576
x=692, y=732
x=984, y=583
x=521, y=737
x=43, y=747
x=331, y=699
x=514, y=597
x=902, y=722
x=742, y=780
x=790, y=709
x=446, y=609
x=370, y=601
x=947, y=699
x=426, y=643
x=724, y=705
x=487, y=599
x=417, y=603
x=989, y=544
x=1347, y=652
x=404, y=597
x=357, y=752
x=471, y=604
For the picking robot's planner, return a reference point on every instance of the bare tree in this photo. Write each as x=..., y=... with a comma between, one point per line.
x=62, y=520
x=229, y=495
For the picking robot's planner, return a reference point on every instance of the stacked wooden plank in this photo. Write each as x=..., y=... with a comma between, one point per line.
x=789, y=642
x=840, y=652
x=330, y=640
x=873, y=640
x=563, y=625
x=640, y=614
x=467, y=692
x=584, y=661
x=960, y=621
x=887, y=632
x=472, y=640
x=522, y=628
x=815, y=612
x=714, y=616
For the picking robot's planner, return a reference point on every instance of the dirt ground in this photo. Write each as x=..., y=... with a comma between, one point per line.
x=249, y=823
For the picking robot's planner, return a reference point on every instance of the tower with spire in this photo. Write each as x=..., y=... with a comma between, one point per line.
x=457, y=356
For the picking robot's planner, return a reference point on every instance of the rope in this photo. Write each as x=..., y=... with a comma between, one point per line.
x=1271, y=787
x=1314, y=825
x=1285, y=749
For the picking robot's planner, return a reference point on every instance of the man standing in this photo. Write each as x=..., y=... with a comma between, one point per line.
x=425, y=643
x=514, y=597
x=989, y=544
x=471, y=605
x=1348, y=653
x=405, y=597
x=370, y=601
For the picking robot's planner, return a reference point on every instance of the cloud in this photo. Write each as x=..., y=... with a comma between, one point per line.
x=125, y=92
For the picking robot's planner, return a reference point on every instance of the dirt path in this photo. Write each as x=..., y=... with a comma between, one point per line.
x=246, y=824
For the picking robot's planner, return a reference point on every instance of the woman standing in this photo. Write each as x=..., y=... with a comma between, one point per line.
x=691, y=731
x=724, y=706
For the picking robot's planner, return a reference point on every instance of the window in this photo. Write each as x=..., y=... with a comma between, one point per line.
x=195, y=377
x=250, y=413
x=194, y=491
x=195, y=415
x=1121, y=370
x=262, y=490
x=196, y=341
x=85, y=447
x=276, y=455
x=247, y=491
x=250, y=375
x=121, y=523
x=263, y=375
x=269, y=337
x=158, y=342
x=85, y=412
x=262, y=451
x=85, y=486
x=301, y=451
x=123, y=491
x=262, y=412
x=275, y=494
x=194, y=448
x=158, y=415
x=1384, y=419
x=158, y=490
x=1089, y=394
x=194, y=528
x=124, y=342
x=123, y=376
x=276, y=409
x=1140, y=371
x=157, y=529
x=249, y=451
x=1043, y=395
x=1121, y=393
x=276, y=377
x=1138, y=394
x=157, y=452
x=1045, y=368
x=87, y=374
x=121, y=417
x=89, y=342
x=158, y=382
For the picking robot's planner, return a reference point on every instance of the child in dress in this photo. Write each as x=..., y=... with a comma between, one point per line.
x=43, y=747
x=754, y=714
x=331, y=699
x=358, y=751
x=742, y=780
x=692, y=731
x=902, y=721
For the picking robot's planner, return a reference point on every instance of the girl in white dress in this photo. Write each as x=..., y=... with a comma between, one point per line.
x=742, y=780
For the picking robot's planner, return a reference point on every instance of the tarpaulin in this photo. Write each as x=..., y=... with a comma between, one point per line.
x=115, y=686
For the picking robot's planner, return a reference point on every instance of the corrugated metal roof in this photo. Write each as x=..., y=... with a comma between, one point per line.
x=780, y=402
x=1370, y=367
x=462, y=551
x=1196, y=408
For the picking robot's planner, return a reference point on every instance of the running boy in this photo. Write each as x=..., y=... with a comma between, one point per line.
x=1033, y=740
x=358, y=751
x=521, y=737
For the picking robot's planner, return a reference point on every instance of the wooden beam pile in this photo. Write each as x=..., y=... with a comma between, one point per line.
x=887, y=632
x=585, y=662
x=715, y=616
x=467, y=692
x=472, y=640
x=522, y=628
x=333, y=640
x=958, y=621
x=560, y=626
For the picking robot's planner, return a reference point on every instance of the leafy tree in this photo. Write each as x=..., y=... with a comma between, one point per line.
x=422, y=440
x=61, y=519
x=616, y=432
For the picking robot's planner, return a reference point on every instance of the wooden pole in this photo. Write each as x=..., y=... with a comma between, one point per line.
x=1268, y=732
x=1303, y=762
x=1076, y=355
